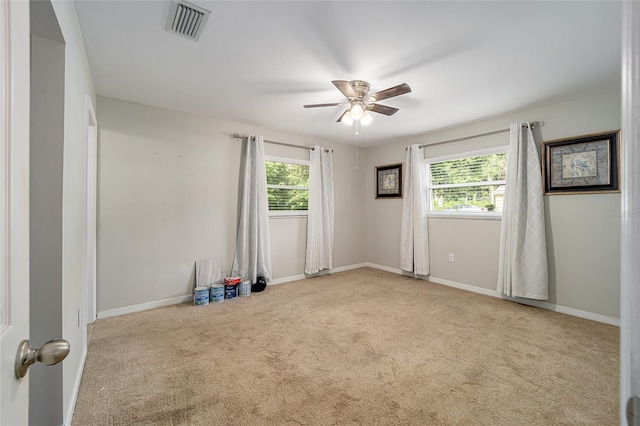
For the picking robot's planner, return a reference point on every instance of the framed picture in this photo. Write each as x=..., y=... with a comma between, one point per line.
x=582, y=164
x=389, y=181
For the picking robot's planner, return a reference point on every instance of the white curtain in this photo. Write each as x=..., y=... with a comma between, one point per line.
x=320, y=234
x=414, y=231
x=253, y=246
x=523, y=250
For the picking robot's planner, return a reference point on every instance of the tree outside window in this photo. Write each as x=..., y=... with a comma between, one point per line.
x=287, y=185
x=470, y=184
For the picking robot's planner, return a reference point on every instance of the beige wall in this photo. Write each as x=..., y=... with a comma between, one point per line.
x=583, y=235
x=168, y=195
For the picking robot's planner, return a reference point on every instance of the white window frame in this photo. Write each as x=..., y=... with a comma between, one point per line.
x=287, y=213
x=462, y=215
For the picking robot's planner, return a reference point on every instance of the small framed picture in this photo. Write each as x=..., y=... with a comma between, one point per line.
x=389, y=181
x=583, y=164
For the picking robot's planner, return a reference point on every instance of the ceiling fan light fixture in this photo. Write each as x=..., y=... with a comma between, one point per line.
x=347, y=119
x=366, y=119
x=356, y=111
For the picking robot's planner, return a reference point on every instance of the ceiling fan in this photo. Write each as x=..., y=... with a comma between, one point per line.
x=361, y=102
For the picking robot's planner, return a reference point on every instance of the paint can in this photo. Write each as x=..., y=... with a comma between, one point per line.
x=216, y=294
x=230, y=291
x=201, y=296
x=244, y=288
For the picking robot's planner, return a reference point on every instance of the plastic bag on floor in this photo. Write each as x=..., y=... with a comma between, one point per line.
x=208, y=272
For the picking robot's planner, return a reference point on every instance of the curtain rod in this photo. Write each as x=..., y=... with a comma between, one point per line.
x=237, y=136
x=495, y=132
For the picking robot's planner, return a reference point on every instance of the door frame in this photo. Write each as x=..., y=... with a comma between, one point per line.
x=5, y=137
x=90, y=213
x=630, y=208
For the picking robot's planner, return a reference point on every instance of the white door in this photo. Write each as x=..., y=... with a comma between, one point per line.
x=14, y=206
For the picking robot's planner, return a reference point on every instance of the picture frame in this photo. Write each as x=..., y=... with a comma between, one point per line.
x=582, y=165
x=389, y=181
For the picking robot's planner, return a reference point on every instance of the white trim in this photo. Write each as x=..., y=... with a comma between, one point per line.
x=349, y=267
x=630, y=205
x=287, y=279
x=189, y=298
x=288, y=213
x=466, y=154
x=76, y=389
x=467, y=184
x=484, y=291
x=144, y=306
x=530, y=302
x=384, y=268
x=285, y=160
x=91, y=197
x=299, y=277
x=467, y=287
x=5, y=164
x=462, y=215
x=537, y=303
x=5, y=98
x=285, y=214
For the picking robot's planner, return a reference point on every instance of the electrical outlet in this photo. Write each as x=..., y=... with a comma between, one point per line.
x=451, y=257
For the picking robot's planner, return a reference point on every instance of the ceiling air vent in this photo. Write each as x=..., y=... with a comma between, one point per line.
x=186, y=19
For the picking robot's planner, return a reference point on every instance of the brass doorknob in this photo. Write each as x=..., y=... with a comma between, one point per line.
x=52, y=352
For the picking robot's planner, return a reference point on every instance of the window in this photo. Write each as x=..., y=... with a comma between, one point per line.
x=472, y=184
x=287, y=185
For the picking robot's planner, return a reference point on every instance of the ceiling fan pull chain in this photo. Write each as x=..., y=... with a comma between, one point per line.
x=357, y=136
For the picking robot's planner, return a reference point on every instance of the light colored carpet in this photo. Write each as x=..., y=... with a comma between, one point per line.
x=362, y=347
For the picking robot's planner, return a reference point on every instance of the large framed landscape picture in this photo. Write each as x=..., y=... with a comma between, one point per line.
x=582, y=164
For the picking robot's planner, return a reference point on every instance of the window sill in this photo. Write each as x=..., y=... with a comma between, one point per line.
x=463, y=215
x=287, y=214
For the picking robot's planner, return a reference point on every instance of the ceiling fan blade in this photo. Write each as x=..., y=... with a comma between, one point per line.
x=321, y=105
x=382, y=109
x=345, y=88
x=398, y=90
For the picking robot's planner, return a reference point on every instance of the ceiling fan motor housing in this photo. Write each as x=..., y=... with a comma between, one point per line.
x=361, y=88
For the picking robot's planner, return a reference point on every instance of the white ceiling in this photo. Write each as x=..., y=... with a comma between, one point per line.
x=259, y=62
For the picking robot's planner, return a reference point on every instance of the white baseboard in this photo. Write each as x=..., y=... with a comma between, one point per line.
x=530, y=302
x=487, y=292
x=467, y=287
x=144, y=306
x=283, y=280
x=384, y=268
x=68, y=418
x=606, y=319
x=299, y=277
x=349, y=267
x=182, y=299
